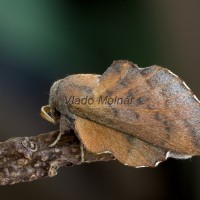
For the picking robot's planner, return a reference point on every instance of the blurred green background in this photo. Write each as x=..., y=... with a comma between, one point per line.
x=42, y=41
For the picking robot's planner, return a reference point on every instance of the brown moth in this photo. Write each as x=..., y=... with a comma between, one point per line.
x=140, y=115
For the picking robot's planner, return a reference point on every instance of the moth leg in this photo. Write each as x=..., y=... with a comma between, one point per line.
x=82, y=152
x=56, y=140
x=64, y=127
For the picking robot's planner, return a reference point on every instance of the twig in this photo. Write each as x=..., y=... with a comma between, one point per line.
x=25, y=159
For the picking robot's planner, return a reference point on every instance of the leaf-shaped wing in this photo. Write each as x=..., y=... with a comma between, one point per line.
x=130, y=151
x=163, y=110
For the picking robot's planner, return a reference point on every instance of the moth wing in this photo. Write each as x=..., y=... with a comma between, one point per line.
x=127, y=149
x=163, y=111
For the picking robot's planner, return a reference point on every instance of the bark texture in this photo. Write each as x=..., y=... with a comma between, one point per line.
x=24, y=159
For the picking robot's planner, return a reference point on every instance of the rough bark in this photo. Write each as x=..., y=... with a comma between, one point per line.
x=25, y=159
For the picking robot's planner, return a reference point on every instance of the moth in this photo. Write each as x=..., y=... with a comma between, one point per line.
x=140, y=115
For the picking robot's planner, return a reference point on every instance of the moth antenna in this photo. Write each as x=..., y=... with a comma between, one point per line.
x=44, y=113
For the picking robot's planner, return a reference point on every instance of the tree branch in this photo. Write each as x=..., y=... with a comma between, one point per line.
x=25, y=159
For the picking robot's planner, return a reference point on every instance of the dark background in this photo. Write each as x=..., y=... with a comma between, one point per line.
x=42, y=41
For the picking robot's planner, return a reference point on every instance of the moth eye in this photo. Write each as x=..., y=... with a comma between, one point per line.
x=55, y=113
